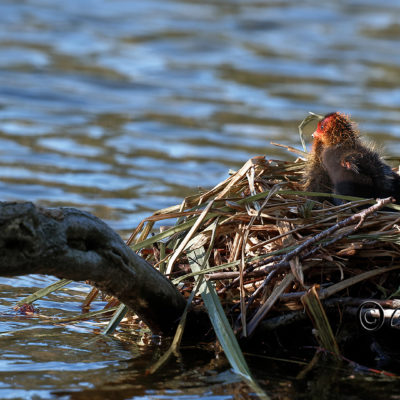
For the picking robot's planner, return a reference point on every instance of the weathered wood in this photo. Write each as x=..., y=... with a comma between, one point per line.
x=73, y=244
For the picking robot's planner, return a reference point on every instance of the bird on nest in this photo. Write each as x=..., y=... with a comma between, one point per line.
x=341, y=163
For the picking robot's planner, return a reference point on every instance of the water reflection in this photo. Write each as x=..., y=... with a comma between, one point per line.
x=121, y=108
x=167, y=96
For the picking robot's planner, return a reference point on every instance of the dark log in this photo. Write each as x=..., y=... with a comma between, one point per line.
x=73, y=244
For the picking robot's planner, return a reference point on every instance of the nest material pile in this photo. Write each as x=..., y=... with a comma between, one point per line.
x=266, y=243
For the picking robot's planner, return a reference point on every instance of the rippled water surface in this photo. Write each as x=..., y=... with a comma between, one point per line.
x=124, y=107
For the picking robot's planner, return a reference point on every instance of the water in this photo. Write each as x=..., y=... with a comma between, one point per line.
x=124, y=107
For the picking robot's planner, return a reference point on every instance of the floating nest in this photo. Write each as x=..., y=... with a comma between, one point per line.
x=272, y=251
x=285, y=271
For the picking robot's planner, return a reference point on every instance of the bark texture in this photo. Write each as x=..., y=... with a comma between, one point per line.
x=73, y=244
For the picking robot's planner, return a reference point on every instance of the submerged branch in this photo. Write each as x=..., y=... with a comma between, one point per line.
x=73, y=244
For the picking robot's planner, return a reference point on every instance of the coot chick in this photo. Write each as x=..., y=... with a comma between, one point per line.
x=353, y=168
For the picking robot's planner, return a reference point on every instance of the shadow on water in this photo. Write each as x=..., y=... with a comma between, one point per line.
x=122, y=108
x=48, y=359
x=198, y=375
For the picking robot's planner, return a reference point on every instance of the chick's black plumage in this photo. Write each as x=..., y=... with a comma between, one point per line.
x=359, y=172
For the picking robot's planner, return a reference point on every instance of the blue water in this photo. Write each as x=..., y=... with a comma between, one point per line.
x=124, y=107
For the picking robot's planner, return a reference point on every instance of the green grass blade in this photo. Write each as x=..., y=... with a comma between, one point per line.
x=44, y=292
x=115, y=320
x=221, y=325
x=174, y=348
x=306, y=121
x=206, y=271
x=88, y=315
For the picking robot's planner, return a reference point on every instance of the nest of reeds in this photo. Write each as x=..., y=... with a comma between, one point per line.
x=266, y=245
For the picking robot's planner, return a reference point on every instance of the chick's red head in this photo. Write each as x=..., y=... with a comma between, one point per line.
x=334, y=129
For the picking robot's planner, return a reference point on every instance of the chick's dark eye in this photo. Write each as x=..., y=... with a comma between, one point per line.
x=321, y=127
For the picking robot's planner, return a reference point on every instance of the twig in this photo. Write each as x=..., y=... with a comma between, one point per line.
x=262, y=311
x=291, y=149
x=284, y=260
x=327, y=232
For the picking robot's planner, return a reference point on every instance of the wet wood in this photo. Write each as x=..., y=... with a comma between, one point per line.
x=73, y=244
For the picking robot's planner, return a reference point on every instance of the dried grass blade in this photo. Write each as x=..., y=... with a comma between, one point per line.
x=262, y=195
x=239, y=175
x=147, y=229
x=160, y=217
x=243, y=310
x=236, y=245
x=169, y=232
x=88, y=315
x=295, y=264
x=325, y=293
x=320, y=321
x=187, y=238
x=133, y=235
x=274, y=296
x=206, y=271
x=297, y=269
x=90, y=298
x=163, y=253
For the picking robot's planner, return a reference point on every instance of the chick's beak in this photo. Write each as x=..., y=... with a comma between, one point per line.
x=317, y=134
